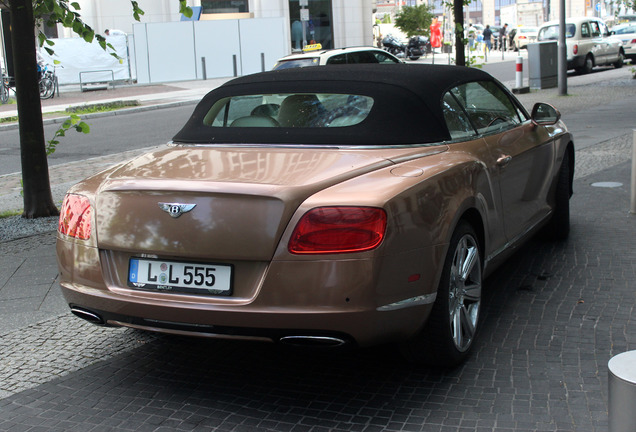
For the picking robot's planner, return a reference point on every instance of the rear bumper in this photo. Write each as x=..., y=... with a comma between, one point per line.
x=351, y=325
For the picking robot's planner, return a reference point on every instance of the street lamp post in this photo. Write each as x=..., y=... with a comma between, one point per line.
x=562, y=53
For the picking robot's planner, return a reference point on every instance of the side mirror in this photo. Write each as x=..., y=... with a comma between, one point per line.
x=545, y=114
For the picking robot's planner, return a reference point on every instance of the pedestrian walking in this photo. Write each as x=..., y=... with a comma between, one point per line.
x=487, y=36
x=472, y=33
x=503, y=33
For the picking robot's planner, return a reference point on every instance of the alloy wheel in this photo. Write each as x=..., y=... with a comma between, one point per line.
x=464, y=292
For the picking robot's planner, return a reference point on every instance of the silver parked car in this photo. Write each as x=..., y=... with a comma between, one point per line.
x=588, y=41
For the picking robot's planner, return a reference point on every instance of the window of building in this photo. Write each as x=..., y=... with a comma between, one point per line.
x=224, y=6
x=317, y=29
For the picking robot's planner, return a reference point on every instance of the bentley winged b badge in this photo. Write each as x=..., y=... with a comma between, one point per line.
x=176, y=209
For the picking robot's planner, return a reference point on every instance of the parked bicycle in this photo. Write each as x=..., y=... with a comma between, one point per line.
x=47, y=81
x=4, y=89
x=47, y=84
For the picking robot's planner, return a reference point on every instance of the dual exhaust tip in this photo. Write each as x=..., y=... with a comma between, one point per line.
x=87, y=315
x=298, y=340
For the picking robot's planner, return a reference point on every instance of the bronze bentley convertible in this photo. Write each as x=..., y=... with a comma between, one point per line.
x=357, y=204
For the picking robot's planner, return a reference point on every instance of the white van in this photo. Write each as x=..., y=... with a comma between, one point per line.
x=588, y=43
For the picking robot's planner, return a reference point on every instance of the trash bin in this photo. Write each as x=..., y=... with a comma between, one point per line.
x=543, y=65
x=622, y=392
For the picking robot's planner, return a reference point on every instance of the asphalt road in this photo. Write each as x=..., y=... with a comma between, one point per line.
x=109, y=135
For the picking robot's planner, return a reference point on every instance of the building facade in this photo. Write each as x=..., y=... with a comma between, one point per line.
x=332, y=23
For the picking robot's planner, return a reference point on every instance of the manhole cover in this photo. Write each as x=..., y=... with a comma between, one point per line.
x=607, y=184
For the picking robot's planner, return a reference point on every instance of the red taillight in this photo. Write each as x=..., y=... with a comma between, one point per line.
x=327, y=230
x=75, y=217
x=633, y=41
x=575, y=49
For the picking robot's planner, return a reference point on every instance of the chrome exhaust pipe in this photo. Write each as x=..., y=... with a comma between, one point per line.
x=313, y=341
x=87, y=315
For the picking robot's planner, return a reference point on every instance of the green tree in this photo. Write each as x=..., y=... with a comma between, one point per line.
x=415, y=20
x=38, y=201
x=457, y=7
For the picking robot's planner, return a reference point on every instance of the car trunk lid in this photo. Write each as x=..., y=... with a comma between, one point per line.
x=243, y=198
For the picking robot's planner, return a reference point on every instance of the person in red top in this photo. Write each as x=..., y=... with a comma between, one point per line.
x=436, y=34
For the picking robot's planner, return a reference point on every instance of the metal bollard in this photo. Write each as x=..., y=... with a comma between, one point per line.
x=622, y=392
x=519, y=73
x=633, y=195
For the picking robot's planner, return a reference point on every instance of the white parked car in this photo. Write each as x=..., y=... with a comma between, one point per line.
x=588, y=41
x=524, y=36
x=351, y=55
x=627, y=34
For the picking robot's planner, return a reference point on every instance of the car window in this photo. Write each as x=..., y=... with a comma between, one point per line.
x=596, y=30
x=625, y=30
x=286, y=64
x=292, y=110
x=604, y=31
x=585, y=30
x=352, y=58
x=384, y=58
x=337, y=59
x=456, y=118
x=488, y=107
x=551, y=32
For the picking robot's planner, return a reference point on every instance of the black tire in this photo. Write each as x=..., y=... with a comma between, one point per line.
x=414, y=58
x=588, y=65
x=47, y=88
x=620, y=61
x=448, y=335
x=4, y=94
x=4, y=90
x=559, y=226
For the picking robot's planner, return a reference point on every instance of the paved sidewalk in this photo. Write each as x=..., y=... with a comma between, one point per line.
x=554, y=316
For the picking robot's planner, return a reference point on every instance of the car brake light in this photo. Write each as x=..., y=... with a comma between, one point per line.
x=633, y=41
x=75, y=217
x=575, y=49
x=326, y=230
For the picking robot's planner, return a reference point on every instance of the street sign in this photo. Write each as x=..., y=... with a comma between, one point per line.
x=304, y=14
x=304, y=3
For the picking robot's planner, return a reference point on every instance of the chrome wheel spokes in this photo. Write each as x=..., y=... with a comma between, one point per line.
x=465, y=292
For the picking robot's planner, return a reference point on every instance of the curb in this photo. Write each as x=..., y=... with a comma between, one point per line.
x=151, y=107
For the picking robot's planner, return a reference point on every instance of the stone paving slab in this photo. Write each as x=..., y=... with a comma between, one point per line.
x=553, y=317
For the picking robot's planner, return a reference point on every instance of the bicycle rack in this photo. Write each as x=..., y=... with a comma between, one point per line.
x=99, y=80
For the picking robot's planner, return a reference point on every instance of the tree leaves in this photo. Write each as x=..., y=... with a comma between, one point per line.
x=184, y=9
x=73, y=122
x=415, y=20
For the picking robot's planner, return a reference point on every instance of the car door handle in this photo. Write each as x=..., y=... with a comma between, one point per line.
x=504, y=160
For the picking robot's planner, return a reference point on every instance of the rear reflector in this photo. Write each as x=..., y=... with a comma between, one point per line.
x=75, y=217
x=327, y=230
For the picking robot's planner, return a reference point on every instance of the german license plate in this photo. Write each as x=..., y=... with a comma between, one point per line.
x=180, y=277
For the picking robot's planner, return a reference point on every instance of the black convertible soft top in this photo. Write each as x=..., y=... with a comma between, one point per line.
x=406, y=110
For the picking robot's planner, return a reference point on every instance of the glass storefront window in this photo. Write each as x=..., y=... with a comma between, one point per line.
x=224, y=6
x=317, y=30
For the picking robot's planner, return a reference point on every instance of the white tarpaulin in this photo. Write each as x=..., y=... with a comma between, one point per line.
x=75, y=55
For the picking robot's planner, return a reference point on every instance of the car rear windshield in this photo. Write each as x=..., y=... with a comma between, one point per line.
x=303, y=62
x=289, y=110
x=552, y=32
x=625, y=30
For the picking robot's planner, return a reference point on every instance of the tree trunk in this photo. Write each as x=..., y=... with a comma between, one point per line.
x=458, y=16
x=38, y=201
